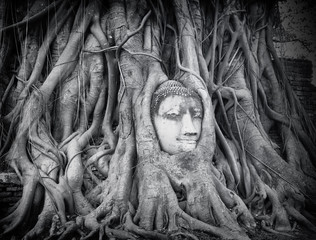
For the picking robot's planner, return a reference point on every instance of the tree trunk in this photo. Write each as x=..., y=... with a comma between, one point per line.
x=80, y=133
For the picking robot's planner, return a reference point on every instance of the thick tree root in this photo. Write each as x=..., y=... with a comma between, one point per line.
x=44, y=221
x=159, y=209
x=16, y=218
x=269, y=229
x=130, y=226
x=299, y=217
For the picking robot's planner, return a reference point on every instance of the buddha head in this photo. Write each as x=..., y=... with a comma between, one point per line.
x=177, y=114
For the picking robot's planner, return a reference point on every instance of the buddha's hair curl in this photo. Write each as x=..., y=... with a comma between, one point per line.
x=170, y=88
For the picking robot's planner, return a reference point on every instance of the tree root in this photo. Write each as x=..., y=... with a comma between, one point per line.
x=121, y=234
x=11, y=222
x=130, y=226
x=279, y=217
x=43, y=50
x=61, y=195
x=235, y=204
x=229, y=154
x=159, y=209
x=222, y=165
x=117, y=187
x=268, y=229
x=44, y=220
x=74, y=176
x=299, y=217
x=112, y=67
x=36, y=16
x=70, y=230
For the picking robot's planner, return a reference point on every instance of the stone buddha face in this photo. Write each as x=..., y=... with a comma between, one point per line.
x=177, y=117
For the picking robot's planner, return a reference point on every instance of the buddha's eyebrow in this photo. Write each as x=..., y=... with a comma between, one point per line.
x=173, y=108
x=196, y=109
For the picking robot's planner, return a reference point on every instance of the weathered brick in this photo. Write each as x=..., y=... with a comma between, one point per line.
x=299, y=73
x=12, y=189
x=18, y=194
x=5, y=194
x=10, y=199
x=11, y=178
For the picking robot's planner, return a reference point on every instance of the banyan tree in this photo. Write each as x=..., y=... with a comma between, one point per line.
x=86, y=86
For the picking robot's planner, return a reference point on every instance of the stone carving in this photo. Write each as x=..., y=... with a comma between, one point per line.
x=177, y=114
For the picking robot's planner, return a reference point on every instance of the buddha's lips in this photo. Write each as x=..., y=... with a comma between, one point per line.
x=188, y=141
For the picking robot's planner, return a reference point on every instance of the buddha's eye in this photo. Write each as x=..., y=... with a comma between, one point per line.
x=197, y=114
x=172, y=115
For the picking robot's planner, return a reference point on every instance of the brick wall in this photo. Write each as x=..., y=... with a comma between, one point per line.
x=10, y=191
x=300, y=73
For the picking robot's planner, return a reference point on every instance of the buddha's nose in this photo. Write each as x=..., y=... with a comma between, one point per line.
x=188, y=128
